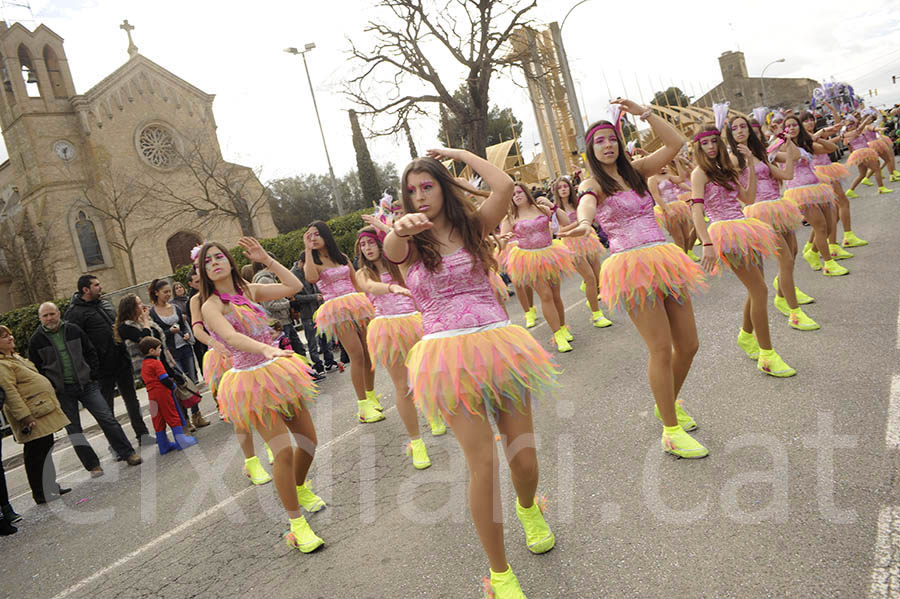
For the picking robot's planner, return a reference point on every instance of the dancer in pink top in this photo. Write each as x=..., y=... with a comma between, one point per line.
x=345, y=314
x=472, y=364
x=671, y=212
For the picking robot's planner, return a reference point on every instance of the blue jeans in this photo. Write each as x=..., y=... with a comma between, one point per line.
x=315, y=344
x=93, y=402
x=184, y=359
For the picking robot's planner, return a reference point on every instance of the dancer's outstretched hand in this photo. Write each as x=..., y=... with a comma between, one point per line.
x=411, y=224
x=629, y=106
x=271, y=352
x=708, y=261
x=445, y=154
x=399, y=290
x=253, y=250
x=577, y=231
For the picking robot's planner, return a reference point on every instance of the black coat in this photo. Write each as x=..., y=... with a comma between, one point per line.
x=307, y=301
x=44, y=354
x=96, y=319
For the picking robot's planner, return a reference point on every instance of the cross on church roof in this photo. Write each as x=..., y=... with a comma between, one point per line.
x=128, y=28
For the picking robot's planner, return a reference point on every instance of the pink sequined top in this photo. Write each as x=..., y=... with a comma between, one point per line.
x=253, y=324
x=391, y=304
x=858, y=142
x=721, y=203
x=870, y=135
x=335, y=282
x=803, y=174
x=767, y=188
x=533, y=233
x=456, y=296
x=628, y=221
x=821, y=160
x=669, y=191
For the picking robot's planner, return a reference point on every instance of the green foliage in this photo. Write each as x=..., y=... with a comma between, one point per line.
x=182, y=274
x=673, y=96
x=368, y=178
x=23, y=321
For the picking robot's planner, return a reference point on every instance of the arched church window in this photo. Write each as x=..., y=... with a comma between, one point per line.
x=156, y=145
x=29, y=73
x=55, y=72
x=88, y=240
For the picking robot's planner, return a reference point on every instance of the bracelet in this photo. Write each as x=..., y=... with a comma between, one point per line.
x=697, y=201
x=646, y=114
x=707, y=245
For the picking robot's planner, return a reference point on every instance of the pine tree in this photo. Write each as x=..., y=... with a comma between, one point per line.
x=368, y=177
x=413, y=153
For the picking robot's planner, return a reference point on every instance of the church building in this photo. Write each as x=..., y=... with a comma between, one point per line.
x=120, y=181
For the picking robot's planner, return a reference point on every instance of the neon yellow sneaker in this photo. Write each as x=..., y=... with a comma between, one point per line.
x=269, y=454
x=583, y=287
x=896, y=173
x=851, y=194
x=562, y=344
x=812, y=258
x=781, y=305
x=802, y=298
x=884, y=189
x=838, y=253
x=747, y=342
x=255, y=472
x=308, y=500
x=679, y=443
x=538, y=535
x=833, y=269
x=569, y=336
x=503, y=585
x=438, y=426
x=301, y=536
x=772, y=364
x=367, y=412
x=866, y=182
x=370, y=395
x=416, y=450
x=530, y=318
x=684, y=420
x=599, y=320
x=893, y=178
x=852, y=241
x=692, y=255
x=800, y=321
x=807, y=247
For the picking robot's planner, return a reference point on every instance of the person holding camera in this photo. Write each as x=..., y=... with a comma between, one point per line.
x=34, y=414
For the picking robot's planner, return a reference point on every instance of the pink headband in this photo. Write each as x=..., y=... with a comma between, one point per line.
x=371, y=235
x=703, y=134
x=590, y=136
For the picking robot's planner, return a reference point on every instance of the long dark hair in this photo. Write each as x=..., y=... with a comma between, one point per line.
x=331, y=247
x=572, y=203
x=719, y=170
x=514, y=210
x=608, y=185
x=155, y=287
x=371, y=268
x=127, y=310
x=753, y=142
x=459, y=211
x=207, y=287
x=803, y=140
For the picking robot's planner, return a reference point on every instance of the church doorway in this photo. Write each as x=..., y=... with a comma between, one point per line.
x=179, y=247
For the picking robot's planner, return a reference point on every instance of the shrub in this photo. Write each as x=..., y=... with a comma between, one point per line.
x=23, y=321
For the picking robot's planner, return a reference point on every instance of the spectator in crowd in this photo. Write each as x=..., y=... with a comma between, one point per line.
x=174, y=324
x=279, y=309
x=161, y=393
x=9, y=515
x=180, y=296
x=34, y=414
x=247, y=272
x=63, y=353
x=306, y=303
x=194, y=283
x=133, y=324
x=95, y=316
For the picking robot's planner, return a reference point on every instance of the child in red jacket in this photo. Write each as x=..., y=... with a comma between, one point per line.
x=160, y=390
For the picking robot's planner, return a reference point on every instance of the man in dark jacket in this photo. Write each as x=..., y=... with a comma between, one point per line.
x=96, y=318
x=306, y=303
x=64, y=354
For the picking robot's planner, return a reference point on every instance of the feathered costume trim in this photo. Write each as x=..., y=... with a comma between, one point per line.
x=529, y=267
x=741, y=241
x=781, y=215
x=389, y=338
x=214, y=366
x=343, y=314
x=831, y=173
x=675, y=213
x=819, y=194
x=584, y=246
x=864, y=156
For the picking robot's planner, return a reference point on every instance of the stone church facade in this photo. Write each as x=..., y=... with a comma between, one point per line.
x=131, y=164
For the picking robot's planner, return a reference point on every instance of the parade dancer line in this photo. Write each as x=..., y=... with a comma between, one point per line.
x=266, y=387
x=472, y=362
x=645, y=276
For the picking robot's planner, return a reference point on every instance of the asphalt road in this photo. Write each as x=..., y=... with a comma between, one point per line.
x=787, y=504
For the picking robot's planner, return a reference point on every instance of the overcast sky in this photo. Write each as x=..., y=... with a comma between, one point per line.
x=263, y=107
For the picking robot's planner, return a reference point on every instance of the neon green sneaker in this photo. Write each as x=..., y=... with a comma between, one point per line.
x=308, y=500
x=679, y=443
x=438, y=426
x=884, y=189
x=530, y=318
x=569, y=336
x=807, y=247
x=852, y=241
x=416, y=449
x=833, y=269
x=599, y=320
x=866, y=182
x=367, y=413
x=692, y=255
x=562, y=344
x=255, y=472
x=538, y=535
x=838, y=253
x=269, y=454
x=370, y=395
x=893, y=178
x=800, y=321
x=772, y=364
x=747, y=342
x=583, y=287
x=851, y=194
x=812, y=258
x=503, y=585
x=781, y=304
x=684, y=420
x=301, y=536
x=802, y=298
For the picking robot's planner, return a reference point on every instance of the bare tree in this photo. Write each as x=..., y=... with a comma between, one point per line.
x=25, y=249
x=214, y=188
x=475, y=33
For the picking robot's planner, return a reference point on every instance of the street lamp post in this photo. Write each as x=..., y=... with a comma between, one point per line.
x=334, y=187
x=762, y=79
